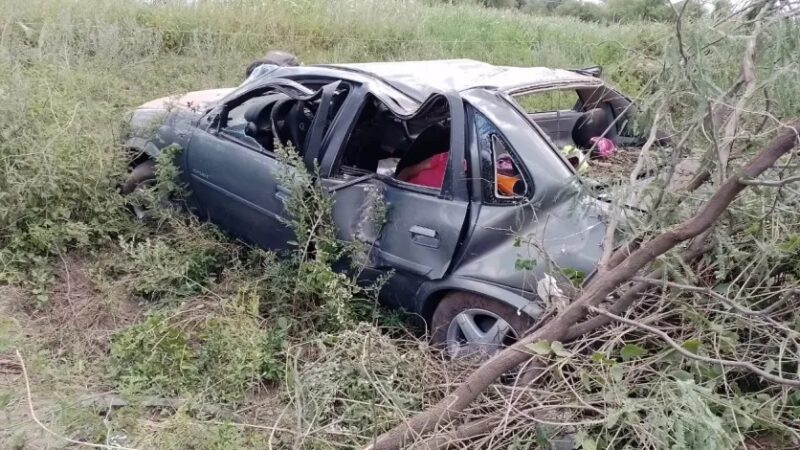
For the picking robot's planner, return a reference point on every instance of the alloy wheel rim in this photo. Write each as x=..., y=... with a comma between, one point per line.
x=477, y=332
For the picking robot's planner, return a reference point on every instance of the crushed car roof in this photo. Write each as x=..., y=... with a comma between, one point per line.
x=424, y=77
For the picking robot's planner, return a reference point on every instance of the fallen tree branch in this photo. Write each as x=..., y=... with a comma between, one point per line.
x=677, y=347
x=9, y=367
x=465, y=432
x=695, y=251
x=595, y=292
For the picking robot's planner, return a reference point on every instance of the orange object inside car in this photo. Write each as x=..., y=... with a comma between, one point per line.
x=506, y=185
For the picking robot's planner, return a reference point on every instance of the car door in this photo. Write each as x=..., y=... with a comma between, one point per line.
x=420, y=230
x=234, y=180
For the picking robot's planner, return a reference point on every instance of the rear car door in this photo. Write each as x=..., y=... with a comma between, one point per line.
x=421, y=228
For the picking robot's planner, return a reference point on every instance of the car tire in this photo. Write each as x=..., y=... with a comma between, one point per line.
x=142, y=175
x=471, y=325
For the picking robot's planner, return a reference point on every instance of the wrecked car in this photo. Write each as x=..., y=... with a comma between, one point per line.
x=464, y=154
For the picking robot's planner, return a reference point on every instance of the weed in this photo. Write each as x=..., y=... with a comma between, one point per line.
x=215, y=355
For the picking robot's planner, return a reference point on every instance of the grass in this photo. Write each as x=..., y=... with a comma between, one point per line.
x=97, y=302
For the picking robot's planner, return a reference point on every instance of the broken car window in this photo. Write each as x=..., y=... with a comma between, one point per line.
x=560, y=100
x=413, y=151
x=273, y=117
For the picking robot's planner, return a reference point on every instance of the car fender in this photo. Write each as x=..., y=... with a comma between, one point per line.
x=431, y=292
x=142, y=145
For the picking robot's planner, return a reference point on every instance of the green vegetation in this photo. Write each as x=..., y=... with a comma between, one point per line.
x=261, y=351
x=611, y=11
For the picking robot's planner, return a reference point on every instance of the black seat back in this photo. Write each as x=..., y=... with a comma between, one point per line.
x=593, y=123
x=433, y=140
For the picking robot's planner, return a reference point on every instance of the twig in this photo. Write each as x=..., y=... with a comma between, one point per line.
x=770, y=183
x=8, y=367
x=717, y=296
x=42, y=426
x=723, y=362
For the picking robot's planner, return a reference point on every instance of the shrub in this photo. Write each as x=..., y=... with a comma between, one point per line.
x=215, y=355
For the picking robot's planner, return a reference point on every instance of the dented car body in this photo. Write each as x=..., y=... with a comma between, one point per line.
x=360, y=125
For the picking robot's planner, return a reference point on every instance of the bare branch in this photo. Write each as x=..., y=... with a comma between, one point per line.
x=709, y=292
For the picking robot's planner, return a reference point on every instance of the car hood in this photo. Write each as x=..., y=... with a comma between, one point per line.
x=197, y=101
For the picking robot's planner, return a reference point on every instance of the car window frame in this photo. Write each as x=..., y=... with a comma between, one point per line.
x=251, y=144
x=496, y=200
x=576, y=107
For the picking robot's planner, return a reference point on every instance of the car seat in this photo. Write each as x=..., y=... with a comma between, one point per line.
x=431, y=141
x=591, y=124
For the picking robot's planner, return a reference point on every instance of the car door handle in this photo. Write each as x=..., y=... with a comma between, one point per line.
x=417, y=230
x=424, y=236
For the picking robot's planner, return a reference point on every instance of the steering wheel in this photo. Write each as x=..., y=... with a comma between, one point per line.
x=279, y=122
x=299, y=123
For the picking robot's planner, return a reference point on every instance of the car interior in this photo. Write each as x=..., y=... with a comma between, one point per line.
x=410, y=150
x=276, y=118
x=401, y=148
x=571, y=116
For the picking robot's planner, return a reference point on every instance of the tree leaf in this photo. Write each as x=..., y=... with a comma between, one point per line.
x=682, y=375
x=524, y=264
x=540, y=347
x=600, y=358
x=693, y=345
x=630, y=351
x=559, y=350
x=616, y=372
x=612, y=418
x=770, y=365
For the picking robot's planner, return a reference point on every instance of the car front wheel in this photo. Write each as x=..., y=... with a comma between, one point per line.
x=141, y=176
x=468, y=325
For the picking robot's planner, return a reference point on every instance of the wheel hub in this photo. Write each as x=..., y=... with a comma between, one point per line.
x=477, y=332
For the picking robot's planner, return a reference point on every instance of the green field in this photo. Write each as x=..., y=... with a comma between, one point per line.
x=211, y=345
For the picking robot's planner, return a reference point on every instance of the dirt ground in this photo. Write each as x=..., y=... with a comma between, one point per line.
x=63, y=344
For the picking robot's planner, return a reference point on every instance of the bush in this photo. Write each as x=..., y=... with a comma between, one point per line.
x=215, y=355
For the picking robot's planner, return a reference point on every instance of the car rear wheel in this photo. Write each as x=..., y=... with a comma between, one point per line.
x=467, y=325
x=141, y=176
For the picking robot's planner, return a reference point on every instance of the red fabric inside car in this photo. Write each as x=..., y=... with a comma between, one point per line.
x=433, y=174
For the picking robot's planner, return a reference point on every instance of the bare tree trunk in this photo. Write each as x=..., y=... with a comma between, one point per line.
x=595, y=292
